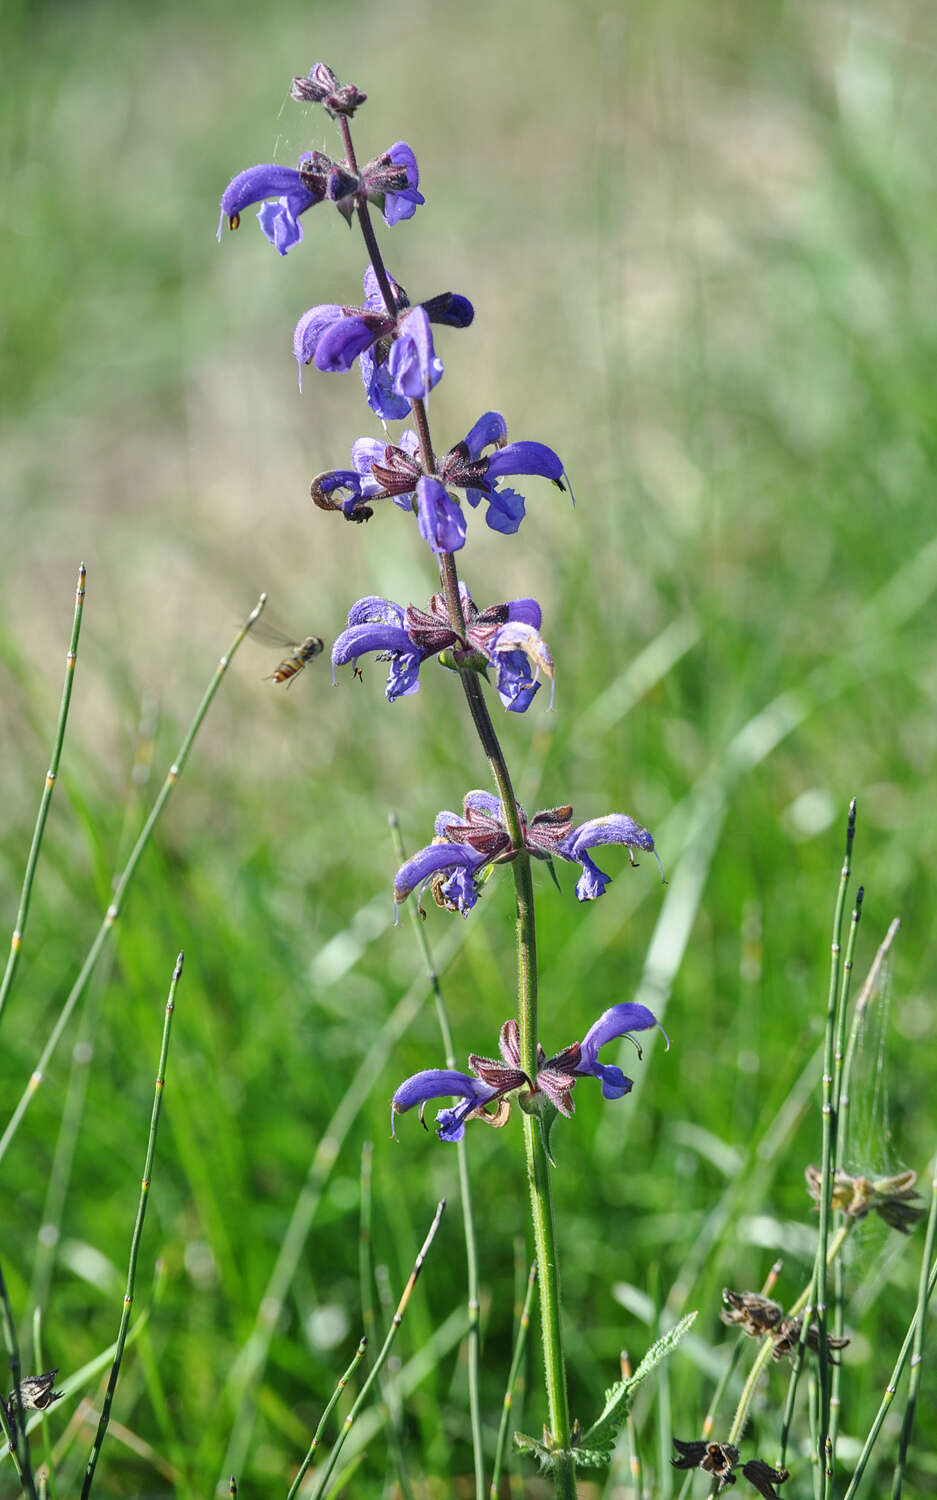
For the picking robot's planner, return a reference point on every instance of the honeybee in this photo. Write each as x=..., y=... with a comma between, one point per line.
x=299, y=653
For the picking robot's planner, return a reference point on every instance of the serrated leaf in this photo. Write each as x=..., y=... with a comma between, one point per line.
x=540, y=1451
x=618, y=1398
x=592, y=1458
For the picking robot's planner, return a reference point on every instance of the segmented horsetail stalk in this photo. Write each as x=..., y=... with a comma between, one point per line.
x=136, y=1236
x=124, y=880
x=313, y=1446
x=13, y=1419
x=523, y=1324
x=829, y=1112
x=385, y=1350
x=917, y=1342
x=19, y=931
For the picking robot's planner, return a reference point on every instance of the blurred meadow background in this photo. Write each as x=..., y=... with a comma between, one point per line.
x=701, y=241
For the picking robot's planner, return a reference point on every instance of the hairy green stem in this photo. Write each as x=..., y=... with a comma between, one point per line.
x=19, y=931
x=541, y=1206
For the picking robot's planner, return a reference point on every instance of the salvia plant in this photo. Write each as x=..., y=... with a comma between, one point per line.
x=496, y=654
x=496, y=659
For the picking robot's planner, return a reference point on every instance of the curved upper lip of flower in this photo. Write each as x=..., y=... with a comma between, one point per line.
x=495, y=1078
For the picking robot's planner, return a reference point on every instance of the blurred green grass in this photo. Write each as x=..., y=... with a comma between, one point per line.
x=701, y=244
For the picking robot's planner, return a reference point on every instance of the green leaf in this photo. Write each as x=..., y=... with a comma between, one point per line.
x=548, y=1117
x=540, y=1451
x=618, y=1398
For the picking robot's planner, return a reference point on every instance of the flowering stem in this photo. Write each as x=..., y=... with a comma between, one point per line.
x=535, y=1148
x=541, y=1206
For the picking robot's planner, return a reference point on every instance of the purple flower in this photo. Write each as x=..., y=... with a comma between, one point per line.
x=504, y=635
x=465, y=845
x=439, y=1083
x=390, y=179
x=614, y=828
x=619, y=1020
x=295, y=190
x=398, y=361
x=397, y=469
x=482, y=829
x=396, y=176
x=439, y=517
x=495, y=1079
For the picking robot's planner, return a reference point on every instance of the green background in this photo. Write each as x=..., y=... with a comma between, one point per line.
x=701, y=242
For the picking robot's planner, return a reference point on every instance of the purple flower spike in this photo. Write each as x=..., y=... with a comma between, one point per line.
x=614, y=828
x=619, y=1020
x=440, y=519
x=440, y=1083
x=295, y=190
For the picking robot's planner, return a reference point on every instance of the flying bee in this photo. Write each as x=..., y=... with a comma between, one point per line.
x=299, y=653
x=293, y=664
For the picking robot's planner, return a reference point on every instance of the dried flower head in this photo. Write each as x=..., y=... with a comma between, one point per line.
x=756, y=1315
x=788, y=1337
x=760, y=1317
x=36, y=1394
x=894, y=1199
x=718, y=1459
x=764, y=1477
